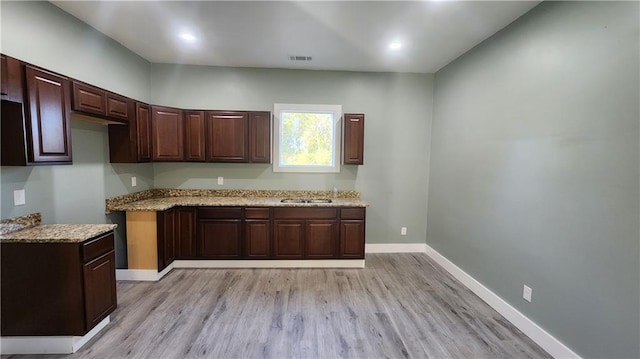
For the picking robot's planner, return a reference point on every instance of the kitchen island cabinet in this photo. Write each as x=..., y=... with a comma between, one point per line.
x=56, y=286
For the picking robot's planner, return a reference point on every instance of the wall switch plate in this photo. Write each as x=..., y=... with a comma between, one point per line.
x=134, y=181
x=403, y=231
x=19, y=198
x=220, y=180
x=526, y=293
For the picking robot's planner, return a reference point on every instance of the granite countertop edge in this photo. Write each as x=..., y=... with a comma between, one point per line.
x=57, y=233
x=164, y=203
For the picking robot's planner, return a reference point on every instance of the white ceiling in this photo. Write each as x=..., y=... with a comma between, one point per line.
x=338, y=35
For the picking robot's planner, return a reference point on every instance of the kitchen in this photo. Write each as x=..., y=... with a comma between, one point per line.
x=410, y=163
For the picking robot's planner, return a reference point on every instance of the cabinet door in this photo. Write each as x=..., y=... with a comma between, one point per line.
x=131, y=143
x=12, y=79
x=118, y=107
x=321, y=239
x=167, y=127
x=99, y=288
x=194, y=140
x=219, y=238
x=143, y=133
x=186, y=233
x=352, y=238
x=166, y=221
x=260, y=137
x=288, y=239
x=353, y=139
x=257, y=234
x=227, y=136
x=49, y=125
x=89, y=99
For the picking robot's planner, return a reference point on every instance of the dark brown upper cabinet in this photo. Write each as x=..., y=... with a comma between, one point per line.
x=132, y=143
x=12, y=79
x=194, y=145
x=88, y=99
x=167, y=128
x=119, y=107
x=38, y=130
x=49, y=126
x=260, y=137
x=353, y=149
x=227, y=136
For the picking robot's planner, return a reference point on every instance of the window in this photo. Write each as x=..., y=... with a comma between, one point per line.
x=306, y=138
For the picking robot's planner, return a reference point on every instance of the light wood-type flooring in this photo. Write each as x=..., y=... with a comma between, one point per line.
x=399, y=306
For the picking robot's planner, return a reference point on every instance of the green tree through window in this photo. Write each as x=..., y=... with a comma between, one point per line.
x=307, y=139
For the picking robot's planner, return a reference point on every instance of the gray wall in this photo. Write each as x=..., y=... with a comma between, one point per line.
x=398, y=111
x=40, y=33
x=534, y=177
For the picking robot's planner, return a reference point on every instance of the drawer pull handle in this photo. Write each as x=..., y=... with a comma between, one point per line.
x=222, y=116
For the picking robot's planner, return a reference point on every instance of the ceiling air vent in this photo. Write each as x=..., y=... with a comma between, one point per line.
x=300, y=58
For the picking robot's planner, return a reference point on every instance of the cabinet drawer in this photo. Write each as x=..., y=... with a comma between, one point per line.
x=256, y=213
x=305, y=213
x=220, y=212
x=93, y=248
x=118, y=106
x=352, y=213
x=87, y=98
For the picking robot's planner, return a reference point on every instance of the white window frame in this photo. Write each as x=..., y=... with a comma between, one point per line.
x=337, y=138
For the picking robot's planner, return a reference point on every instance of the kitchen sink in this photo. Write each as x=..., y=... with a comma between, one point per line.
x=298, y=200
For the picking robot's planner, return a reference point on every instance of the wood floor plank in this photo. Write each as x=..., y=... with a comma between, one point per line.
x=399, y=306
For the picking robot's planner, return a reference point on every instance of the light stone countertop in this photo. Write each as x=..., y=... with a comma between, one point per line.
x=57, y=233
x=164, y=203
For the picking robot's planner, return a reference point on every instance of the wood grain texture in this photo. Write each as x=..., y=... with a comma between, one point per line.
x=142, y=246
x=400, y=306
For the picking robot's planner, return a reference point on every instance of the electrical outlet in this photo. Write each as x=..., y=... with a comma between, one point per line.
x=526, y=293
x=19, y=198
x=403, y=231
x=134, y=181
x=220, y=180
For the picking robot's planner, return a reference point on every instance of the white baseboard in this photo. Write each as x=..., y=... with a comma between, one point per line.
x=545, y=340
x=395, y=247
x=49, y=344
x=319, y=263
x=150, y=275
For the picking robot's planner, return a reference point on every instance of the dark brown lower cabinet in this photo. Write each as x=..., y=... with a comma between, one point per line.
x=99, y=288
x=185, y=233
x=321, y=239
x=352, y=239
x=260, y=233
x=257, y=234
x=56, y=289
x=166, y=221
x=288, y=239
x=219, y=232
x=220, y=238
x=352, y=231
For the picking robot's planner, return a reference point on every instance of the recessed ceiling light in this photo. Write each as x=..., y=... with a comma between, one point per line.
x=395, y=45
x=187, y=37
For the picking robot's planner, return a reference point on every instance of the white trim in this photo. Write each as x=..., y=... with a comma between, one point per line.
x=150, y=275
x=303, y=263
x=49, y=344
x=548, y=342
x=395, y=247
